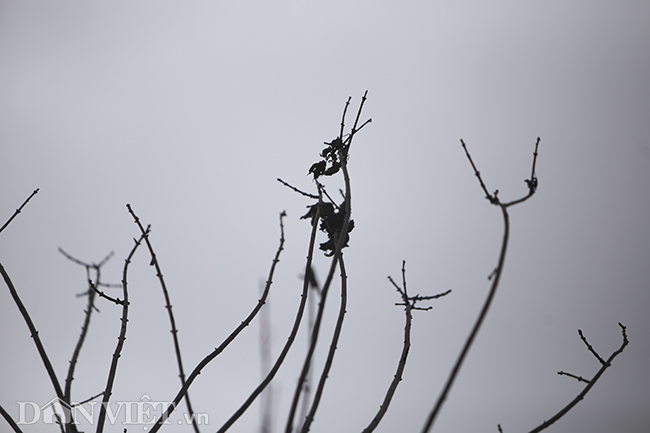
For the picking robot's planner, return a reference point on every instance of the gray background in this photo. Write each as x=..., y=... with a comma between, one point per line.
x=190, y=111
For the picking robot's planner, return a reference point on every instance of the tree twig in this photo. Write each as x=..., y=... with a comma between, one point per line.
x=338, y=257
x=493, y=199
x=120, y=340
x=18, y=210
x=206, y=360
x=292, y=336
x=91, y=292
x=10, y=420
x=34, y=333
x=172, y=321
x=306, y=194
x=409, y=306
x=333, y=344
x=339, y=243
x=590, y=383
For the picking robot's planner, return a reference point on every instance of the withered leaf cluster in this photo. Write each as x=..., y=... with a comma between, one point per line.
x=331, y=222
x=330, y=164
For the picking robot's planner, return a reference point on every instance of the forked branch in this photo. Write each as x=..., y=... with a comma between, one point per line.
x=90, y=307
x=205, y=361
x=409, y=305
x=337, y=224
x=108, y=390
x=496, y=277
x=172, y=321
x=590, y=382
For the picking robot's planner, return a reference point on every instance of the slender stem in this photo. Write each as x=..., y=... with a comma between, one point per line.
x=10, y=420
x=312, y=346
x=92, y=292
x=587, y=387
x=494, y=199
x=172, y=321
x=290, y=339
x=477, y=325
x=120, y=340
x=18, y=210
x=408, y=306
x=335, y=338
x=338, y=257
x=34, y=333
x=205, y=361
x=90, y=306
x=306, y=390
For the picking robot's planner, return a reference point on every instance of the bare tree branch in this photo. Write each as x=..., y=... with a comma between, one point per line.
x=91, y=292
x=172, y=321
x=409, y=306
x=590, y=383
x=10, y=420
x=494, y=199
x=19, y=209
x=34, y=333
x=205, y=361
x=120, y=340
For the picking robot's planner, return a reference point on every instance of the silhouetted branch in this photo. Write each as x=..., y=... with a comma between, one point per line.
x=34, y=333
x=590, y=383
x=333, y=344
x=91, y=292
x=121, y=338
x=340, y=242
x=116, y=301
x=306, y=194
x=494, y=199
x=313, y=337
x=87, y=400
x=18, y=210
x=290, y=339
x=306, y=389
x=266, y=398
x=578, y=378
x=30, y=324
x=336, y=153
x=9, y=419
x=172, y=321
x=205, y=361
x=590, y=348
x=532, y=182
x=409, y=306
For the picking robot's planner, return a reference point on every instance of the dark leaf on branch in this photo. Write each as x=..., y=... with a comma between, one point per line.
x=326, y=209
x=337, y=143
x=333, y=169
x=532, y=184
x=317, y=168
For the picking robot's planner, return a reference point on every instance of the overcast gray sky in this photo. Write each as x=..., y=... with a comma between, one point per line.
x=189, y=111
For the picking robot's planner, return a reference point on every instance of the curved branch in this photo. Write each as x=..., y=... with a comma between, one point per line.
x=292, y=335
x=10, y=420
x=409, y=305
x=591, y=382
x=494, y=199
x=312, y=346
x=34, y=333
x=172, y=321
x=205, y=361
x=338, y=257
x=120, y=340
x=335, y=338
